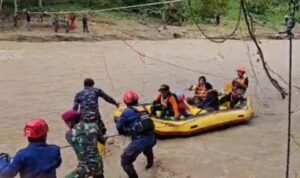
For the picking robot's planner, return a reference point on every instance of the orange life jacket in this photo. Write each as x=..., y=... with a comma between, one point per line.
x=201, y=91
x=170, y=101
x=239, y=89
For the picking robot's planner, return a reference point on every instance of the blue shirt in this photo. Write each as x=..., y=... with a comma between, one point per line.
x=129, y=122
x=37, y=160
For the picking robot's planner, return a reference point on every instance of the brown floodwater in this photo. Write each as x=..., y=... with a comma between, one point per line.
x=41, y=79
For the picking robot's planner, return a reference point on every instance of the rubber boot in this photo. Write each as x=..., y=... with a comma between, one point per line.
x=129, y=169
x=99, y=176
x=150, y=158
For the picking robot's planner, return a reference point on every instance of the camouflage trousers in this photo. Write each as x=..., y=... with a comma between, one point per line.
x=99, y=123
x=86, y=171
x=101, y=126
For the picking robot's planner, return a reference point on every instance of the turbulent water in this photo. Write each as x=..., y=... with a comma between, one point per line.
x=41, y=79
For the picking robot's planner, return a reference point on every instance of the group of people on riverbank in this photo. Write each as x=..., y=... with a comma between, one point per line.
x=86, y=129
x=68, y=22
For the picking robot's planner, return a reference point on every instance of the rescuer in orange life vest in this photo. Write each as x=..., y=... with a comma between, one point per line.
x=239, y=87
x=166, y=102
x=205, y=96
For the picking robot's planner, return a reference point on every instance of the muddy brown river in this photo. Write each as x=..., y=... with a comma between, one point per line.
x=41, y=79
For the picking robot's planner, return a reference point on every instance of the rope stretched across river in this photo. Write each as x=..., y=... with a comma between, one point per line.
x=111, y=9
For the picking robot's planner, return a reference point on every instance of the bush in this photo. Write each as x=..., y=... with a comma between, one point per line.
x=209, y=8
x=260, y=7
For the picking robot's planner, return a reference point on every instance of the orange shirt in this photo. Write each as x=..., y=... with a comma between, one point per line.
x=169, y=101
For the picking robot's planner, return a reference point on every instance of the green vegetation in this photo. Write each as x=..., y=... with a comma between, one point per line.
x=267, y=12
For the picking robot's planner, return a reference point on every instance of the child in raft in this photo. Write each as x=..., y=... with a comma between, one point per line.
x=182, y=104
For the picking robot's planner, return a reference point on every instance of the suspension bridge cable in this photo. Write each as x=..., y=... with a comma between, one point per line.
x=172, y=64
x=290, y=25
x=260, y=51
x=112, y=9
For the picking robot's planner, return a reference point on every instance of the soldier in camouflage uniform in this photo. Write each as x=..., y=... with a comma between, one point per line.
x=87, y=101
x=84, y=137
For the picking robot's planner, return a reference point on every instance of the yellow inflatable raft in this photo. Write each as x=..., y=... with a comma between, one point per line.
x=200, y=120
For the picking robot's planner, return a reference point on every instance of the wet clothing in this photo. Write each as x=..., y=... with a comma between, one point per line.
x=86, y=101
x=135, y=122
x=37, y=160
x=239, y=87
x=168, y=106
x=84, y=138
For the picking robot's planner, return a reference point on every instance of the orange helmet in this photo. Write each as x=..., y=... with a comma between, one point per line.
x=241, y=69
x=36, y=128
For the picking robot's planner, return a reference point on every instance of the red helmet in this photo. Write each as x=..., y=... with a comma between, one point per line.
x=36, y=128
x=70, y=115
x=130, y=97
x=241, y=69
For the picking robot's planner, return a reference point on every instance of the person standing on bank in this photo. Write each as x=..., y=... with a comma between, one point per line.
x=86, y=103
x=28, y=20
x=85, y=24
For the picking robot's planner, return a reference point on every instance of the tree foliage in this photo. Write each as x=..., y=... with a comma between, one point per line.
x=209, y=8
x=202, y=9
x=260, y=7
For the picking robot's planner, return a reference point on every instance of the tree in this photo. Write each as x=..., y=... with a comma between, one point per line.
x=1, y=2
x=16, y=7
x=16, y=13
x=41, y=3
x=260, y=7
x=209, y=8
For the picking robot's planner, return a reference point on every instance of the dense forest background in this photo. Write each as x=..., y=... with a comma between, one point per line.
x=271, y=12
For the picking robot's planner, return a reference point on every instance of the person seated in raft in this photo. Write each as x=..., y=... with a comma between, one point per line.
x=166, y=103
x=211, y=102
x=238, y=88
x=182, y=104
x=205, y=95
